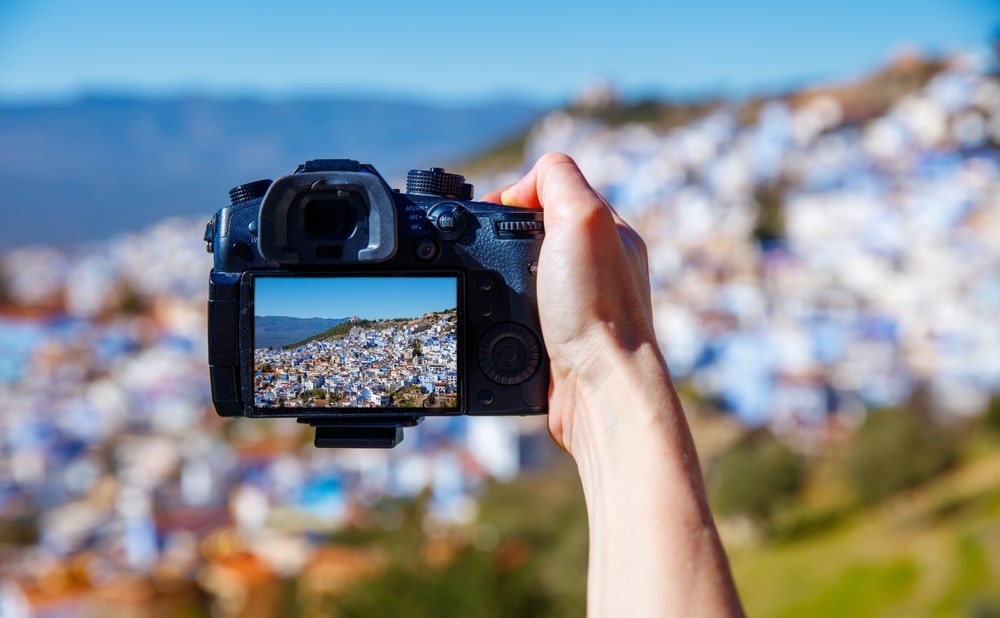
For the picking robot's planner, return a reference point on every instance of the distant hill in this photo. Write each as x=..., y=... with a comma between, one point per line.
x=277, y=331
x=101, y=166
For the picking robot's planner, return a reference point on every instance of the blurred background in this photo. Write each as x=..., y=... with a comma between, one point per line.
x=819, y=188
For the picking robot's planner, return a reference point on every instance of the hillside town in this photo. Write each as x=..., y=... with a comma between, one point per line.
x=826, y=260
x=809, y=264
x=369, y=368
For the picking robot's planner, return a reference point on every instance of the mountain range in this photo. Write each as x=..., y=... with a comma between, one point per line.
x=104, y=165
x=272, y=331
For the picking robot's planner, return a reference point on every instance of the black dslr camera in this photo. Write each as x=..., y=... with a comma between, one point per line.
x=361, y=310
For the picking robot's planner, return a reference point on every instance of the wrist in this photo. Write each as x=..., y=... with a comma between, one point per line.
x=646, y=504
x=624, y=404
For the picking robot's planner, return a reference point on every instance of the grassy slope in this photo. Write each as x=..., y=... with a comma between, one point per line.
x=932, y=552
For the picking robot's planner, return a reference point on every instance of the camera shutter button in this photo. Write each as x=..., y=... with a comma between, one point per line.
x=448, y=220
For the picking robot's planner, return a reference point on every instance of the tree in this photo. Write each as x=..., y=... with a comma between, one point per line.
x=770, y=226
x=991, y=415
x=312, y=395
x=755, y=477
x=6, y=297
x=444, y=576
x=896, y=449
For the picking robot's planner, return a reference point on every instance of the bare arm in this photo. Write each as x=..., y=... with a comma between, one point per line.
x=654, y=549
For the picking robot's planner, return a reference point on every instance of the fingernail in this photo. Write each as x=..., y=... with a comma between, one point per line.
x=507, y=199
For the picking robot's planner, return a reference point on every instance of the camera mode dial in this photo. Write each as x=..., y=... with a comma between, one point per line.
x=436, y=181
x=249, y=191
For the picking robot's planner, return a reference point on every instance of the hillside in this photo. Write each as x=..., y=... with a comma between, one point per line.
x=929, y=552
x=862, y=99
x=341, y=328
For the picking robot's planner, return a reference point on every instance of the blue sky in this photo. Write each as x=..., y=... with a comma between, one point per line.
x=464, y=51
x=365, y=297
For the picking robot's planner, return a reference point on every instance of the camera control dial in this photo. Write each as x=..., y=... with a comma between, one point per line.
x=436, y=181
x=249, y=191
x=509, y=354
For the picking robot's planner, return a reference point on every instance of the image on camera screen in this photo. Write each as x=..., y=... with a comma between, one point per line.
x=355, y=342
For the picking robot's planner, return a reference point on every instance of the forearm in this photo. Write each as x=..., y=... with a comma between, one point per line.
x=654, y=550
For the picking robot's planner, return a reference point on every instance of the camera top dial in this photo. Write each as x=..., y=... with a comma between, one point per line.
x=436, y=181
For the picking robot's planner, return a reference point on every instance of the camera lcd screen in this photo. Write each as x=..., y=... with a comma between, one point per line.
x=355, y=342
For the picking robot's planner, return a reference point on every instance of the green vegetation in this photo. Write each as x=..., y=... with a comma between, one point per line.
x=991, y=415
x=316, y=394
x=6, y=297
x=19, y=530
x=510, y=563
x=860, y=590
x=505, y=155
x=862, y=100
x=930, y=551
x=896, y=450
x=663, y=115
x=128, y=300
x=770, y=224
x=755, y=477
x=337, y=332
x=412, y=396
x=342, y=330
x=912, y=533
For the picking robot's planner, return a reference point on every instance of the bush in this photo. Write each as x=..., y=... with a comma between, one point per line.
x=898, y=449
x=512, y=563
x=755, y=477
x=770, y=226
x=991, y=415
x=6, y=297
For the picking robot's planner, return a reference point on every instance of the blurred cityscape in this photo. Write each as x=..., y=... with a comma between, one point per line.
x=813, y=257
x=827, y=258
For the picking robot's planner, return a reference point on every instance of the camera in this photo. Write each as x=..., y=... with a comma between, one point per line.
x=360, y=309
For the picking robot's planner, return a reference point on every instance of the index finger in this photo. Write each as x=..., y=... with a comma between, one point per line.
x=494, y=196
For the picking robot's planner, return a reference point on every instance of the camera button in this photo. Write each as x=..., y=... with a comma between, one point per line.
x=448, y=220
x=243, y=251
x=484, y=283
x=486, y=397
x=485, y=309
x=426, y=249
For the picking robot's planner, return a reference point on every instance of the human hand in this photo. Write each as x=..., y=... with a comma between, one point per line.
x=654, y=549
x=593, y=289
